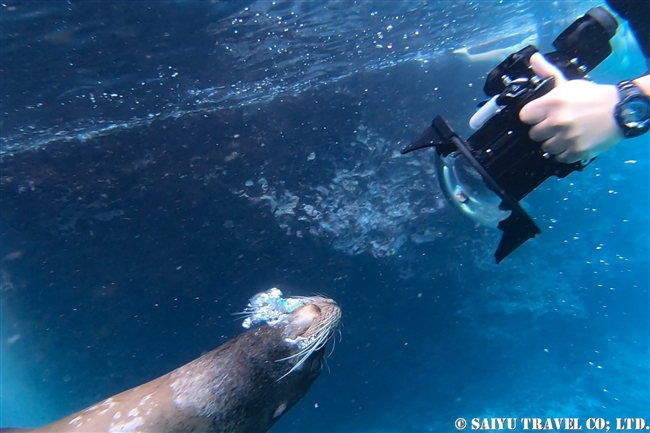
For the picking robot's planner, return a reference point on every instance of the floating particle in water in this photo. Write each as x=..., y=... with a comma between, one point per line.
x=228, y=224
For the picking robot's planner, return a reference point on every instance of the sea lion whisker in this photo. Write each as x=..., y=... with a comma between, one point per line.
x=298, y=364
x=328, y=366
x=307, y=349
x=333, y=347
x=242, y=313
x=315, y=345
x=295, y=355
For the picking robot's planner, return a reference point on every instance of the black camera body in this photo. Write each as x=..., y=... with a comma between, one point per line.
x=501, y=151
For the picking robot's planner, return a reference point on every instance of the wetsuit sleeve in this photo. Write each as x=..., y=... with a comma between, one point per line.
x=637, y=14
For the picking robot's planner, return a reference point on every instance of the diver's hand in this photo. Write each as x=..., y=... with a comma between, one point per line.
x=575, y=120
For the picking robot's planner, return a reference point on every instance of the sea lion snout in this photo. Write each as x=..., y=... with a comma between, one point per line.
x=321, y=315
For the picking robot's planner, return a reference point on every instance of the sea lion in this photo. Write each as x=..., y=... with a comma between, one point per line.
x=245, y=385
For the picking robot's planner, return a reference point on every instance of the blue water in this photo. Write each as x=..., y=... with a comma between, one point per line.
x=164, y=161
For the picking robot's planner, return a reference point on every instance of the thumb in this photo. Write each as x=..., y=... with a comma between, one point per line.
x=544, y=69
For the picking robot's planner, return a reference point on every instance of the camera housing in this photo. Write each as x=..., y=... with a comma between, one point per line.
x=501, y=151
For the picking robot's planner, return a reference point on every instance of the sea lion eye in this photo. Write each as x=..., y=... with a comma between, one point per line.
x=317, y=364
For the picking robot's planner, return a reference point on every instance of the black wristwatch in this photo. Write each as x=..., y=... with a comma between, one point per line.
x=632, y=113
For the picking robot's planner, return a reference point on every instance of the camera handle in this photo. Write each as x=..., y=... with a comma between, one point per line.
x=511, y=93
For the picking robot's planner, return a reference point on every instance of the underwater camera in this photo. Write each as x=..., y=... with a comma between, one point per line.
x=487, y=175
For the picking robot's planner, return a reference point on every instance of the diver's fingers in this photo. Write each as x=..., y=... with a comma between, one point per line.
x=554, y=146
x=539, y=109
x=544, y=69
x=535, y=111
x=568, y=157
x=544, y=130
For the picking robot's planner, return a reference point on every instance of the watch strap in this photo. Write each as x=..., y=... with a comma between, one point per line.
x=627, y=88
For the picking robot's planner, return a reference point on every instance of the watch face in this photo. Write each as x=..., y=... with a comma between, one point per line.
x=635, y=113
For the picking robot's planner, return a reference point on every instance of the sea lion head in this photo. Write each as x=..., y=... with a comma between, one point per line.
x=290, y=348
x=305, y=323
x=251, y=381
x=309, y=327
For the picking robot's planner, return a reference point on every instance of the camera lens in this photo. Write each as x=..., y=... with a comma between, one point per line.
x=465, y=189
